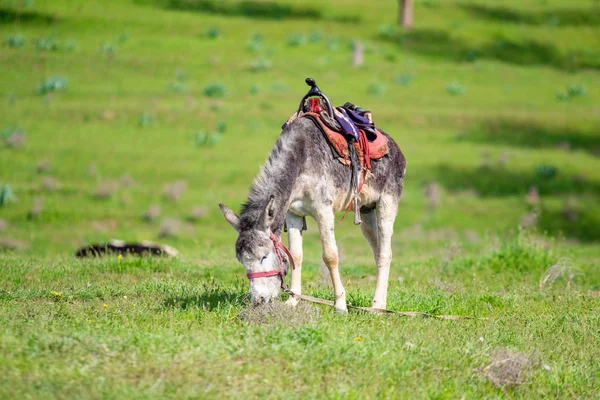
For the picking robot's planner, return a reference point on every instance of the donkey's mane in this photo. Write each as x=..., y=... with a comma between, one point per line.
x=275, y=178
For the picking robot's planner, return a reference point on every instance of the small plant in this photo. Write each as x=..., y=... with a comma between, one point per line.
x=315, y=37
x=70, y=46
x=472, y=55
x=203, y=138
x=221, y=126
x=572, y=91
x=215, y=90
x=213, y=32
x=553, y=21
x=6, y=195
x=576, y=90
x=123, y=37
x=376, y=89
x=404, y=79
x=108, y=48
x=52, y=84
x=254, y=90
x=391, y=57
x=546, y=171
x=455, y=89
x=177, y=87
x=296, y=39
x=145, y=119
x=13, y=137
x=334, y=44
x=46, y=44
x=255, y=42
x=386, y=31
x=563, y=268
x=180, y=75
x=261, y=64
x=16, y=41
x=254, y=46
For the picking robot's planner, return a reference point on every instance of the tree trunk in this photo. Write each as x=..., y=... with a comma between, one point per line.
x=405, y=15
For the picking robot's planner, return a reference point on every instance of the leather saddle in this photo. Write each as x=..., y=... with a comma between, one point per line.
x=365, y=150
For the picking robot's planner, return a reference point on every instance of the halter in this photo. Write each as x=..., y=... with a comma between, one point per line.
x=279, y=248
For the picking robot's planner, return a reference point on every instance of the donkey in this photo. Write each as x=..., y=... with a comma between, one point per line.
x=302, y=178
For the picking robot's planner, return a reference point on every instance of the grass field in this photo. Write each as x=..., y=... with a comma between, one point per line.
x=173, y=105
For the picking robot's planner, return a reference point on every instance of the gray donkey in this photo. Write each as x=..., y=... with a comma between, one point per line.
x=302, y=178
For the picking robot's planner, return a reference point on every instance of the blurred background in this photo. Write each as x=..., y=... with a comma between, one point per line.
x=134, y=119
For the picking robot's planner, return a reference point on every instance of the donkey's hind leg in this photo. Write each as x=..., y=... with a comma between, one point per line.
x=294, y=225
x=387, y=208
x=369, y=229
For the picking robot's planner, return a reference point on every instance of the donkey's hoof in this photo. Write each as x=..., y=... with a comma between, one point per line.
x=292, y=302
x=340, y=309
x=378, y=306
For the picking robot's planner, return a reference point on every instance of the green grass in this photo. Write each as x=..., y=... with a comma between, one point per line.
x=151, y=83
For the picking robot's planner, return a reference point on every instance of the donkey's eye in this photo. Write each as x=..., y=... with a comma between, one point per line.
x=263, y=259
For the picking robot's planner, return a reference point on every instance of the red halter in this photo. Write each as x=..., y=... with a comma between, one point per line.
x=279, y=248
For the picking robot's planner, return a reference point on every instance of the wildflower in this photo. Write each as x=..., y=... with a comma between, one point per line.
x=358, y=339
x=125, y=297
x=105, y=305
x=120, y=256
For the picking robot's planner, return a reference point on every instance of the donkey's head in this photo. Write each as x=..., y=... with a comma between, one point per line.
x=256, y=250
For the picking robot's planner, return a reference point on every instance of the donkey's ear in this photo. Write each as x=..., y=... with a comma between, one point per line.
x=230, y=216
x=268, y=215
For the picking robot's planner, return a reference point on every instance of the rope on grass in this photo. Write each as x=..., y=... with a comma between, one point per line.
x=382, y=311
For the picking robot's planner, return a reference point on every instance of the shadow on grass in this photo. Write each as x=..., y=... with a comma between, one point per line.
x=534, y=134
x=438, y=43
x=209, y=298
x=496, y=181
x=583, y=224
x=9, y=16
x=254, y=9
x=566, y=16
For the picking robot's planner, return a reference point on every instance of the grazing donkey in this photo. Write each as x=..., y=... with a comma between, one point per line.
x=302, y=178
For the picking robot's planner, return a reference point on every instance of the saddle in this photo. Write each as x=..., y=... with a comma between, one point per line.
x=343, y=126
x=365, y=150
x=350, y=132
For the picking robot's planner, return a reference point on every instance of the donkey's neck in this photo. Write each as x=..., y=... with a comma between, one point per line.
x=277, y=178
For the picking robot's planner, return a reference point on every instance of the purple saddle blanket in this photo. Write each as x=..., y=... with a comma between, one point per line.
x=352, y=119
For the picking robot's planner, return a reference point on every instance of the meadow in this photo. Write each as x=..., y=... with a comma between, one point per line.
x=133, y=119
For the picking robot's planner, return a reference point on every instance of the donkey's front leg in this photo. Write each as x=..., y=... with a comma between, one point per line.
x=294, y=225
x=326, y=219
x=387, y=208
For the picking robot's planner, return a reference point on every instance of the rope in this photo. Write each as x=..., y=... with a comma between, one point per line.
x=379, y=310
